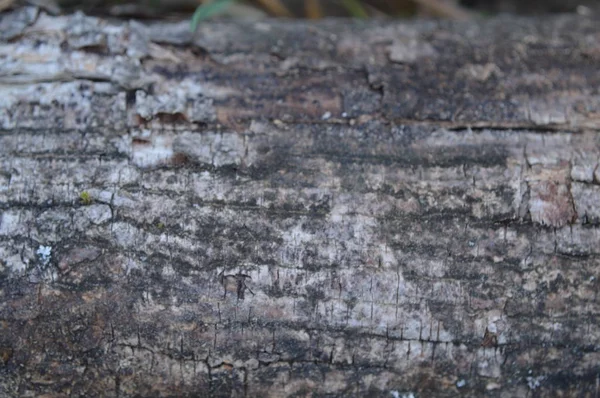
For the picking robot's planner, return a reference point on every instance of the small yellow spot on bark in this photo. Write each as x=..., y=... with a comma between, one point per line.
x=85, y=198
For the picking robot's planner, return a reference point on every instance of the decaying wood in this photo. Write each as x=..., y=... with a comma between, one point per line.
x=289, y=208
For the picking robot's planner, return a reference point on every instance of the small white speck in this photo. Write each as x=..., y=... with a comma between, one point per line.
x=344, y=114
x=326, y=115
x=45, y=254
x=395, y=394
x=461, y=383
x=534, y=382
x=592, y=278
x=471, y=243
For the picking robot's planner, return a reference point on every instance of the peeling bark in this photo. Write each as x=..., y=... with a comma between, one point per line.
x=292, y=208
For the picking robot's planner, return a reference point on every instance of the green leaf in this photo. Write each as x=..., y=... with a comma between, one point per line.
x=355, y=8
x=208, y=10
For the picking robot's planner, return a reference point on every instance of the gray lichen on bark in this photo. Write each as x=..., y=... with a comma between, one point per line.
x=437, y=233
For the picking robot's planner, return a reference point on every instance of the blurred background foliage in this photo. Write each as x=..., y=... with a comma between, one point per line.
x=312, y=9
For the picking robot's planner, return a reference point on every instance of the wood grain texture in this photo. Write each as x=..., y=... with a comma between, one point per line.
x=299, y=209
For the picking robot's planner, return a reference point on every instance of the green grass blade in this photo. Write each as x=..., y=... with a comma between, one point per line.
x=208, y=10
x=355, y=8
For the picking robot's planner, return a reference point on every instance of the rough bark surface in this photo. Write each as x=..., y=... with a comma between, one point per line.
x=290, y=209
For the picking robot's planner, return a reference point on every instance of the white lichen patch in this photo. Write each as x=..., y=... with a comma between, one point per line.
x=45, y=254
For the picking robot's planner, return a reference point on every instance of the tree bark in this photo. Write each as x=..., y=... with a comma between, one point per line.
x=291, y=208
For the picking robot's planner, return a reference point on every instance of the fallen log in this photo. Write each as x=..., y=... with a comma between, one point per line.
x=291, y=208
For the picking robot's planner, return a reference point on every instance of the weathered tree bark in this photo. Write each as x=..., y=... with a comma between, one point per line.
x=288, y=208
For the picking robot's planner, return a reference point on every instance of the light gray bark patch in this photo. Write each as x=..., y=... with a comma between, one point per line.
x=185, y=99
x=410, y=49
x=12, y=24
x=587, y=202
x=212, y=148
x=86, y=33
x=95, y=214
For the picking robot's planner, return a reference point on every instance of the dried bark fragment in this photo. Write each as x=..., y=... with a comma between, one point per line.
x=550, y=204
